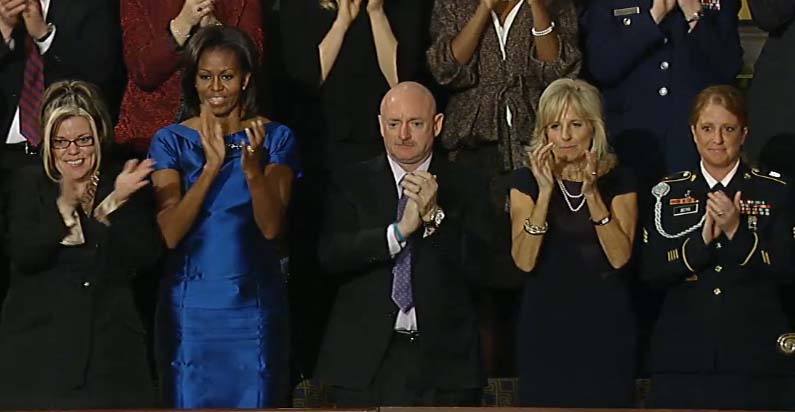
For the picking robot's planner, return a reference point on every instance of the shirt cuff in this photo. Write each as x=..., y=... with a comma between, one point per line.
x=106, y=207
x=395, y=246
x=45, y=45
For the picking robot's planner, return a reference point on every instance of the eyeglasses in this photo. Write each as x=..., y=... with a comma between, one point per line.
x=84, y=141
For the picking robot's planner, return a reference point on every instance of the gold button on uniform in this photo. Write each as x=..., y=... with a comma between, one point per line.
x=716, y=291
x=718, y=268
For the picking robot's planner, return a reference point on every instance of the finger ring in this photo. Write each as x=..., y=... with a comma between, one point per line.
x=593, y=173
x=720, y=213
x=250, y=149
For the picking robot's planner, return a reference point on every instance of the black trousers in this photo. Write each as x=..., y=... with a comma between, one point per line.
x=396, y=383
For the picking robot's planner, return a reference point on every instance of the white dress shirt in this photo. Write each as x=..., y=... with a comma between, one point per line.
x=405, y=320
x=14, y=134
x=711, y=181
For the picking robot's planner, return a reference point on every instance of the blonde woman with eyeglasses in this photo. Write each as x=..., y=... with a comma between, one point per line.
x=71, y=336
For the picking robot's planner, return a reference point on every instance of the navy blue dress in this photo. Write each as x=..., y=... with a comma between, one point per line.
x=222, y=332
x=576, y=333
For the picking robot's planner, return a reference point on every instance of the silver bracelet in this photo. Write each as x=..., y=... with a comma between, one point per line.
x=535, y=230
x=544, y=32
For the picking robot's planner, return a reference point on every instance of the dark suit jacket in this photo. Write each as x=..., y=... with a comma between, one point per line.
x=353, y=249
x=770, y=97
x=723, y=310
x=87, y=46
x=69, y=320
x=631, y=59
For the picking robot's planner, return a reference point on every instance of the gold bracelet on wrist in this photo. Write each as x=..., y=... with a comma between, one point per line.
x=535, y=230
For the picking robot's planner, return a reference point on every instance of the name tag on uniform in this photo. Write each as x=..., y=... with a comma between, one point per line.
x=626, y=11
x=686, y=209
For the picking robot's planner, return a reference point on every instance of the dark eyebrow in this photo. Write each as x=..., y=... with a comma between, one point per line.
x=78, y=137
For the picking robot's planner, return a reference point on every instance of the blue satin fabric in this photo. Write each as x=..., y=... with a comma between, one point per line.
x=222, y=315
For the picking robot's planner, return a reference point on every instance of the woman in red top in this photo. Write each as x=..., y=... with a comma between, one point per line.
x=154, y=32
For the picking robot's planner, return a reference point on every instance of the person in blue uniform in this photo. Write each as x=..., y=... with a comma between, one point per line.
x=720, y=243
x=650, y=58
x=222, y=183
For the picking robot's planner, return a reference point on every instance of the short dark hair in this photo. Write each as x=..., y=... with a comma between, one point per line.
x=728, y=97
x=221, y=38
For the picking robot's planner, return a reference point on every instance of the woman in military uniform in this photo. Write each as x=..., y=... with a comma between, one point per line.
x=720, y=243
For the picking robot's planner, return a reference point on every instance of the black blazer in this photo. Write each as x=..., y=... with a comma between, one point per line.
x=87, y=46
x=353, y=249
x=723, y=309
x=69, y=315
x=770, y=95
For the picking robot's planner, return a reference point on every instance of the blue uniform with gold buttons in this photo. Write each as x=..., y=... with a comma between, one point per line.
x=650, y=74
x=715, y=342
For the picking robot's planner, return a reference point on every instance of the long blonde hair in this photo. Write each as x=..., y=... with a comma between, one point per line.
x=70, y=98
x=585, y=100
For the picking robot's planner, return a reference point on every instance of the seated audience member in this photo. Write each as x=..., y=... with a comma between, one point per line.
x=403, y=241
x=154, y=33
x=223, y=183
x=770, y=109
x=70, y=335
x=574, y=214
x=720, y=242
x=650, y=58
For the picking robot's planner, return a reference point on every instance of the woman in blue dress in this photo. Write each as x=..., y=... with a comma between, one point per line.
x=222, y=182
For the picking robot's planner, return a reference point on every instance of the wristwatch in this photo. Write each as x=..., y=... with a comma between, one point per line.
x=437, y=215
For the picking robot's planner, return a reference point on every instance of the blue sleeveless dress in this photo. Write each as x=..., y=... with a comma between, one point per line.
x=222, y=331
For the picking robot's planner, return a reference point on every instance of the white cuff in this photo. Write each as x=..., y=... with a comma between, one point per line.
x=45, y=45
x=391, y=239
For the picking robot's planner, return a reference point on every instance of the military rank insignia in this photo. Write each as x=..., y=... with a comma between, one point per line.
x=755, y=207
x=711, y=5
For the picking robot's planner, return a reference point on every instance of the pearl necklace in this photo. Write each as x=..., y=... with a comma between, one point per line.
x=567, y=195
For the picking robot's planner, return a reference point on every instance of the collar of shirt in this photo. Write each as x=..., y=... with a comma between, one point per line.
x=711, y=181
x=398, y=172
